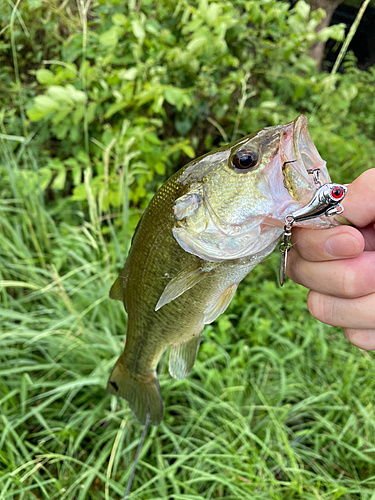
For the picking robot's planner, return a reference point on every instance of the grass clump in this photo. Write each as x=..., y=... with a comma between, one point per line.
x=278, y=406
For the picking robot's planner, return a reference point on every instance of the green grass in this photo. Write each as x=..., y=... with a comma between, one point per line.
x=278, y=406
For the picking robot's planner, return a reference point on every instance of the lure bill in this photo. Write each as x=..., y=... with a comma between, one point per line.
x=205, y=229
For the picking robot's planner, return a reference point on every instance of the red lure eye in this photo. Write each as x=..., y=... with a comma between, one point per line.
x=337, y=192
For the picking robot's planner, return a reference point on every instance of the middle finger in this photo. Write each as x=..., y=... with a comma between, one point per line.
x=347, y=278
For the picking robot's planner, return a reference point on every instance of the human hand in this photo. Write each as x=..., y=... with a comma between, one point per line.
x=338, y=265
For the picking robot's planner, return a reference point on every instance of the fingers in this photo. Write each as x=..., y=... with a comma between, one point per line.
x=368, y=233
x=364, y=339
x=357, y=314
x=361, y=193
x=328, y=244
x=345, y=278
x=339, y=273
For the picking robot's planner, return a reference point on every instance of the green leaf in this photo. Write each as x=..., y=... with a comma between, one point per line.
x=110, y=37
x=174, y=96
x=77, y=175
x=59, y=181
x=336, y=32
x=303, y=9
x=45, y=176
x=268, y=104
x=78, y=114
x=138, y=31
x=58, y=93
x=83, y=157
x=79, y=193
x=183, y=125
x=188, y=150
x=153, y=138
x=159, y=168
x=119, y=19
x=60, y=115
x=34, y=4
x=115, y=108
x=78, y=96
x=196, y=45
x=45, y=77
x=91, y=108
x=36, y=114
x=46, y=104
x=128, y=74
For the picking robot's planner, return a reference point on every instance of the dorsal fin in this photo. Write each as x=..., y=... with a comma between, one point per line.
x=136, y=230
x=118, y=288
x=182, y=357
x=117, y=292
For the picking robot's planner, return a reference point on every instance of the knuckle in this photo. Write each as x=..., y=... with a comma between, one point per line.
x=324, y=308
x=291, y=263
x=368, y=177
x=293, y=268
x=306, y=244
x=350, y=284
x=317, y=306
x=310, y=244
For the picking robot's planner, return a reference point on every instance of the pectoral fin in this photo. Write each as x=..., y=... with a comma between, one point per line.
x=182, y=357
x=184, y=280
x=217, y=307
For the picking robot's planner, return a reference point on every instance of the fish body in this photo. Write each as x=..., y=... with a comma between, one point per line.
x=205, y=229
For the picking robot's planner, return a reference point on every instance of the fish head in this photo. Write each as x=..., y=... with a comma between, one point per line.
x=237, y=197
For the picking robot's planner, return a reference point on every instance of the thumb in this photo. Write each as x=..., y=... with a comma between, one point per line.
x=359, y=202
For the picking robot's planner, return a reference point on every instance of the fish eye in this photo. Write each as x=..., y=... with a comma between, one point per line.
x=245, y=160
x=337, y=192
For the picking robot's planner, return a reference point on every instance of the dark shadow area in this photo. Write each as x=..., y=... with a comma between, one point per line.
x=363, y=43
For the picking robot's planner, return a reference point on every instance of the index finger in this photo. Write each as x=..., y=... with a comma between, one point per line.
x=316, y=245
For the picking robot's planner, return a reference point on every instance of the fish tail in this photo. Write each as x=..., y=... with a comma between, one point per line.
x=143, y=394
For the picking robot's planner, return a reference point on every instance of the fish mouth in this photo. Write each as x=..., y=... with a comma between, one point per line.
x=300, y=158
x=304, y=147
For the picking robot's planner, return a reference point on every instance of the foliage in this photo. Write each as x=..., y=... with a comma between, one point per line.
x=100, y=103
x=135, y=78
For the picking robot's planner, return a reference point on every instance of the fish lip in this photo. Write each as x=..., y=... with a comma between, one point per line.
x=297, y=147
x=302, y=142
x=306, y=152
x=301, y=136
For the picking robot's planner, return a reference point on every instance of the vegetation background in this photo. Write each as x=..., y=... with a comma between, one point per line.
x=100, y=102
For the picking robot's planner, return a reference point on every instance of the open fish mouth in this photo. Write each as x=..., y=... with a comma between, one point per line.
x=299, y=157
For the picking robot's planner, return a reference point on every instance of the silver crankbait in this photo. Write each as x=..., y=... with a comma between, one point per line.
x=326, y=201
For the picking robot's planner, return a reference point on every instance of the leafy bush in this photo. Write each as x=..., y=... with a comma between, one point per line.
x=138, y=89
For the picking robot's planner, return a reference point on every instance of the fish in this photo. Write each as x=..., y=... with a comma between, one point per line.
x=202, y=233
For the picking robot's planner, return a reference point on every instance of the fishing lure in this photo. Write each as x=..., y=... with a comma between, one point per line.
x=326, y=201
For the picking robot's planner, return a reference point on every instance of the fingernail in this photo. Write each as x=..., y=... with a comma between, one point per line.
x=342, y=245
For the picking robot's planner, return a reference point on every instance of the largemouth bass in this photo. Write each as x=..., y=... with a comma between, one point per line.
x=205, y=229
